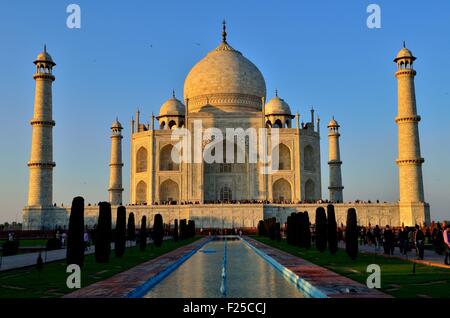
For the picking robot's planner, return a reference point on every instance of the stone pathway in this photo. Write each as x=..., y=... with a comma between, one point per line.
x=431, y=258
x=331, y=284
x=120, y=285
x=29, y=259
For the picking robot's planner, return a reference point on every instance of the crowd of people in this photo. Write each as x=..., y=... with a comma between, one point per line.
x=405, y=239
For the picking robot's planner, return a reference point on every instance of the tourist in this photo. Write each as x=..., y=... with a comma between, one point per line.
x=64, y=239
x=388, y=241
x=419, y=241
x=86, y=240
x=447, y=244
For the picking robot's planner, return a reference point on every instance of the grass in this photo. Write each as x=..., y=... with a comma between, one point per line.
x=30, y=243
x=51, y=281
x=397, y=278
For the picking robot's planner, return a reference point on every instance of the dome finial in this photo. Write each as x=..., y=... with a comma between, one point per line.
x=276, y=92
x=45, y=48
x=224, y=31
x=173, y=92
x=404, y=44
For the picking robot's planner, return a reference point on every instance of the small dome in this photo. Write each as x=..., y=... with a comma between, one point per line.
x=172, y=107
x=116, y=124
x=333, y=123
x=404, y=53
x=44, y=57
x=277, y=106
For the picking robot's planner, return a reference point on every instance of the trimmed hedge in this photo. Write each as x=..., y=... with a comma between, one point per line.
x=75, y=235
x=121, y=230
x=321, y=229
x=158, y=230
x=332, y=230
x=103, y=233
x=351, y=234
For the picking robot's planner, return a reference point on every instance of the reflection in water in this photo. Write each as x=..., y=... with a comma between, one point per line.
x=248, y=275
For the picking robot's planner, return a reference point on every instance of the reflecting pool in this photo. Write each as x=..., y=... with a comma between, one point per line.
x=225, y=269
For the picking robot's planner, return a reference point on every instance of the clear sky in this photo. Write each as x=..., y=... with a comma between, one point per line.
x=131, y=54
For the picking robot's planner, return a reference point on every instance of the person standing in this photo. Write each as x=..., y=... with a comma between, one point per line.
x=388, y=240
x=86, y=240
x=419, y=240
x=446, y=235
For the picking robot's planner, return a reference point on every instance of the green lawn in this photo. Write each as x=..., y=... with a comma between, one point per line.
x=51, y=281
x=30, y=243
x=397, y=276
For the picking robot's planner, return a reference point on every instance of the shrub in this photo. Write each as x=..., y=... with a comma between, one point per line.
x=332, y=230
x=191, y=228
x=306, y=230
x=103, y=233
x=289, y=230
x=75, y=235
x=351, y=234
x=131, y=227
x=10, y=248
x=183, y=229
x=321, y=229
x=121, y=229
x=39, y=262
x=299, y=235
x=261, y=228
x=175, y=231
x=158, y=230
x=278, y=231
x=53, y=244
x=143, y=234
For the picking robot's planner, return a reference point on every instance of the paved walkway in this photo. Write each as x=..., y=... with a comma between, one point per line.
x=29, y=259
x=120, y=285
x=431, y=258
x=331, y=284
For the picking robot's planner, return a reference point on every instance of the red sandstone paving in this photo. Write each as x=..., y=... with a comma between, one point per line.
x=122, y=284
x=330, y=283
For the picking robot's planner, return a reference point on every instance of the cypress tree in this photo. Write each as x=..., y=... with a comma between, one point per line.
x=183, y=226
x=158, y=230
x=261, y=228
x=131, y=227
x=299, y=228
x=278, y=231
x=332, y=230
x=351, y=234
x=321, y=229
x=103, y=234
x=175, y=231
x=143, y=234
x=75, y=237
x=289, y=230
x=121, y=229
x=307, y=230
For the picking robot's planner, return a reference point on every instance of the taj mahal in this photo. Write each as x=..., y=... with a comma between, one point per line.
x=226, y=90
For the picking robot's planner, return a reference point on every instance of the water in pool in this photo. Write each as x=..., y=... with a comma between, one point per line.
x=247, y=275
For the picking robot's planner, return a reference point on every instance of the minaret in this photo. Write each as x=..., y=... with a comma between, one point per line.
x=40, y=192
x=409, y=158
x=334, y=162
x=115, y=166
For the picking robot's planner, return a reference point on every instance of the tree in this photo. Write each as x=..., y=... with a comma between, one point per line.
x=191, y=228
x=306, y=230
x=289, y=230
x=332, y=230
x=131, y=227
x=278, y=231
x=75, y=235
x=121, y=230
x=183, y=226
x=143, y=234
x=351, y=234
x=103, y=233
x=299, y=229
x=158, y=230
x=175, y=231
x=321, y=229
x=261, y=228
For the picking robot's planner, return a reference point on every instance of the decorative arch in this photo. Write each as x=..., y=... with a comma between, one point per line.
x=278, y=124
x=166, y=162
x=162, y=125
x=309, y=158
x=169, y=191
x=310, y=190
x=281, y=190
x=141, y=160
x=284, y=157
x=172, y=124
x=268, y=124
x=225, y=193
x=141, y=192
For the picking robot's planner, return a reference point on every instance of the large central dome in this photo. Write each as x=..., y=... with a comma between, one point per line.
x=225, y=81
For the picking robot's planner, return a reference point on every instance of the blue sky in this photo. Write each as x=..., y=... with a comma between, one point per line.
x=131, y=54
